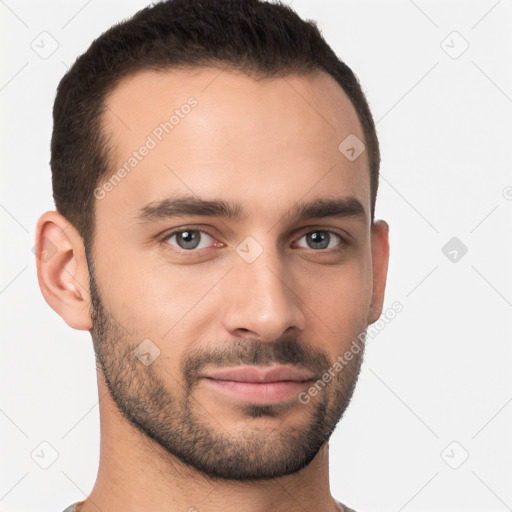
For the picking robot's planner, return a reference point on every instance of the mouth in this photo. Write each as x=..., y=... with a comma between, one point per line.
x=261, y=393
x=258, y=385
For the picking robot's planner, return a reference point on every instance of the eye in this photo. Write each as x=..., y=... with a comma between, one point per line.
x=189, y=239
x=322, y=239
x=193, y=240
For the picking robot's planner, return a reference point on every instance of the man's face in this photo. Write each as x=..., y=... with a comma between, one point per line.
x=210, y=292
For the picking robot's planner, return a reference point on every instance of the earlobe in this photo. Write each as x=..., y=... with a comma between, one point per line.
x=62, y=270
x=380, y=261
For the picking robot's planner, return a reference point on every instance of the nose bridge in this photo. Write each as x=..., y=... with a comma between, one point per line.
x=263, y=299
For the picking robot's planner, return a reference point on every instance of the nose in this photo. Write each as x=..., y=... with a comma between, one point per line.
x=263, y=300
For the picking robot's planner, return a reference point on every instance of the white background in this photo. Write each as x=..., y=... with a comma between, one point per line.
x=439, y=373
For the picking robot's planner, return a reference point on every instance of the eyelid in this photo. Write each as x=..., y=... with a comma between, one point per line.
x=337, y=231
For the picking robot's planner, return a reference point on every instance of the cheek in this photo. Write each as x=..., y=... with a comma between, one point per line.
x=338, y=304
x=156, y=300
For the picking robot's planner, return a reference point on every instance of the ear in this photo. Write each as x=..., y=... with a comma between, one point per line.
x=62, y=269
x=380, y=260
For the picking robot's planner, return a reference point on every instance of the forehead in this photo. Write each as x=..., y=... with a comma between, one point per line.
x=212, y=133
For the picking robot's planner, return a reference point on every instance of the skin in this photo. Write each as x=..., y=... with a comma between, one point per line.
x=169, y=441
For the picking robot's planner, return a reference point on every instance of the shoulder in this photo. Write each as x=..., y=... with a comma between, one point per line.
x=71, y=508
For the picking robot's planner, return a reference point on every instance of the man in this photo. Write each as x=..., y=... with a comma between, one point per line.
x=215, y=170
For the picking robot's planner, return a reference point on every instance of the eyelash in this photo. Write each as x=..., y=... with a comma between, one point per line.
x=167, y=246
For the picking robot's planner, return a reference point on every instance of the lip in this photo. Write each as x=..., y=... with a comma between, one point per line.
x=258, y=393
x=258, y=385
x=260, y=374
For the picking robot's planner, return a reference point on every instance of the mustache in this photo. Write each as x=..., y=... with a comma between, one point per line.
x=286, y=351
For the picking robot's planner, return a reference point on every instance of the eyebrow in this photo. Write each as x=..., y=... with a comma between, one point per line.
x=180, y=206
